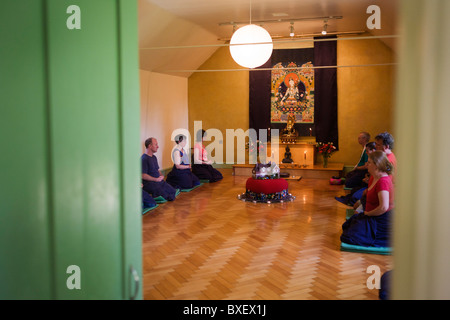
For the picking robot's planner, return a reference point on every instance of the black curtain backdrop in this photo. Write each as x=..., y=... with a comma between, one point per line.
x=325, y=103
x=259, y=97
x=325, y=92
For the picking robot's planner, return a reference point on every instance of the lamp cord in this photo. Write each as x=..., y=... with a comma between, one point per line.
x=250, y=11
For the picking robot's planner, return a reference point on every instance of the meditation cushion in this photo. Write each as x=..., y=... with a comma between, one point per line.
x=362, y=249
x=194, y=187
x=146, y=210
x=160, y=199
x=336, y=181
x=267, y=186
x=268, y=190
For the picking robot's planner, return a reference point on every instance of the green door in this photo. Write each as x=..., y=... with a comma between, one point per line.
x=70, y=150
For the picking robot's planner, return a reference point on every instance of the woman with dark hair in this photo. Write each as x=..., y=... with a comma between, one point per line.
x=202, y=166
x=372, y=228
x=181, y=176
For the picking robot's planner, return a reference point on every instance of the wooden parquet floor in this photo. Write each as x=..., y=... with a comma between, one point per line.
x=208, y=245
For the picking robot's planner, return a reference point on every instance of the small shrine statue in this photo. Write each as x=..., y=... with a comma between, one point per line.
x=290, y=131
x=287, y=156
x=266, y=171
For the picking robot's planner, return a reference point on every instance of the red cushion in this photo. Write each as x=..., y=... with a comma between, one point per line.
x=335, y=181
x=266, y=186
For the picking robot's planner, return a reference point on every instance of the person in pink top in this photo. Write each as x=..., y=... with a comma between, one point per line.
x=202, y=166
x=373, y=226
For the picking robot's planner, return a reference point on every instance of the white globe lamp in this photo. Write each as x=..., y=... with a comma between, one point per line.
x=251, y=46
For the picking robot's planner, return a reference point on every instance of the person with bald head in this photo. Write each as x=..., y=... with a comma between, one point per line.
x=152, y=179
x=355, y=177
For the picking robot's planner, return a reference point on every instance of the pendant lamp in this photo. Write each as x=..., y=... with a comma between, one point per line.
x=251, y=46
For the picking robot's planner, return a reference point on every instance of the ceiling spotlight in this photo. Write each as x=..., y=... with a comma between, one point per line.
x=292, y=34
x=325, y=26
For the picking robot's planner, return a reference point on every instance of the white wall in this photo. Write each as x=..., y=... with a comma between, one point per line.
x=164, y=108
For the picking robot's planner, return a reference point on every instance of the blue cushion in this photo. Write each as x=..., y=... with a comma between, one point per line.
x=194, y=187
x=160, y=199
x=145, y=210
x=362, y=249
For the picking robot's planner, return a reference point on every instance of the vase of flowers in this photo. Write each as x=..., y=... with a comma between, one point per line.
x=325, y=161
x=325, y=150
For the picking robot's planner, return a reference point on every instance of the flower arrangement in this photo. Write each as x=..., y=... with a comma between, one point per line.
x=326, y=150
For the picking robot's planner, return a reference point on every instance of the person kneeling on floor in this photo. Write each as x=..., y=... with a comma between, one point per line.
x=152, y=179
x=181, y=176
x=372, y=227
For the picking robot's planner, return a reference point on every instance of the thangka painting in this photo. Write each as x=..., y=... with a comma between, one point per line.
x=292, y=91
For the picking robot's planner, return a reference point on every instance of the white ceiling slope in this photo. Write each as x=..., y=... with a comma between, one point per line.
x=196, y=24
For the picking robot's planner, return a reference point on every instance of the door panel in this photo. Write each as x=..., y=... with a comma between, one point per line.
x=80, y=111
x=84, y=104
x=131, y=149
x=25, y=209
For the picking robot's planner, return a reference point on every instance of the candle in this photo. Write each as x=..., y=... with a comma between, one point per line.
x=310, y=131
x=305, y=155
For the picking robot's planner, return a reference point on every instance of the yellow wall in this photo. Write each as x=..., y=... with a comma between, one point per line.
x=164, y=108
x=365, y=95
x=219, y=99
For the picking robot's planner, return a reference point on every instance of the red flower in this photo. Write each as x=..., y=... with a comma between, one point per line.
x=326, y=149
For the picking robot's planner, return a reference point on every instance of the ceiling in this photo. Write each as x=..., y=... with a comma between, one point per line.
x=182, y=34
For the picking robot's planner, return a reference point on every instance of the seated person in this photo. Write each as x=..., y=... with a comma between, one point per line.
x=372, y=226
x=360, y=204
x=385, y=286
x=357, y=192
x=385, y=142
x=202, y=167
x=181, y=176
x=354, y=177
x=152, y=179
